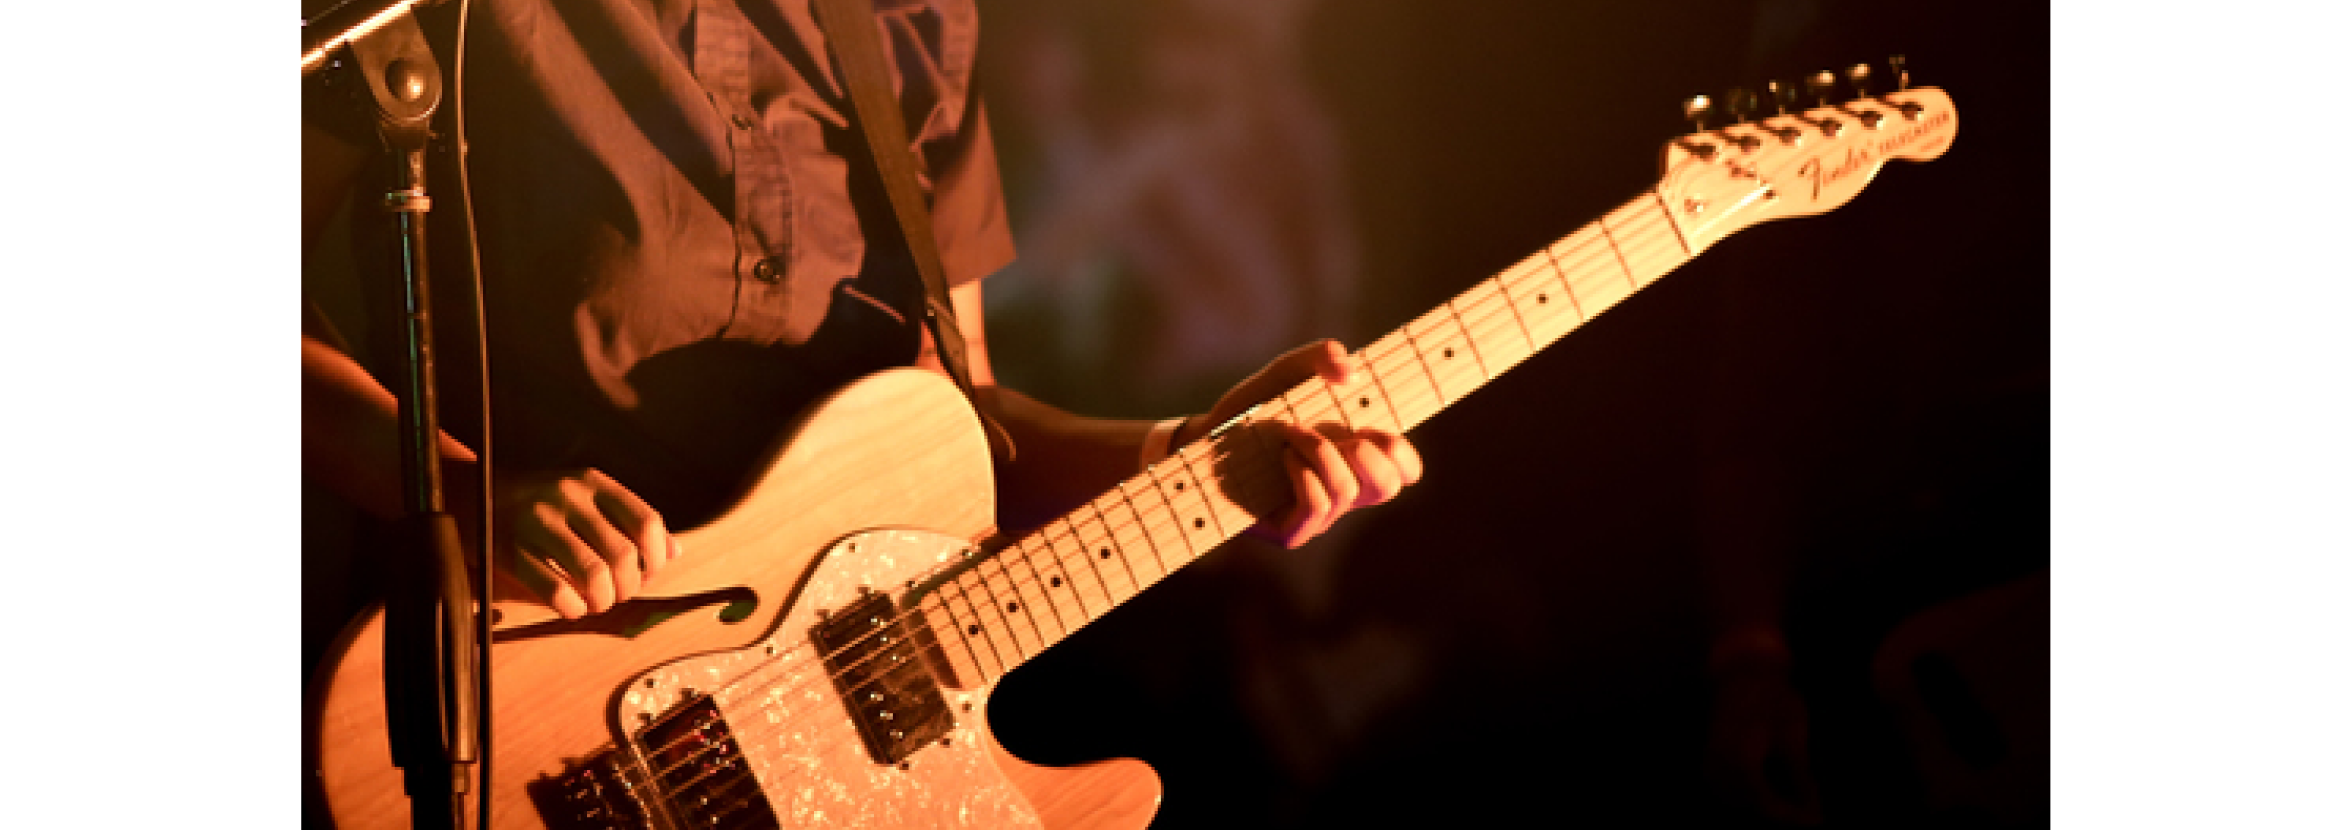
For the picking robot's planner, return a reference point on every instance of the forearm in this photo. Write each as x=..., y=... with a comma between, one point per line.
x=351, y=438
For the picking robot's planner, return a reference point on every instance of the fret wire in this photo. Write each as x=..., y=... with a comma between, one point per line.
x=1659, y=249
x=1155, y=516
x=1486, y=318
x=1499, y=325
x=1420, y=358
x=1079, y=581
x=1032, y=591
x=1130, y=534
x=1356, y=396
x=1510, y=303
x=1322, y=394
x=1427, y=334
x=1021, y=649
x=1094, y=536
x=1379, y=382
x=1188, y=489
x=1485, y=371
x=975, y=622
x=1061, y=578
x=1559, y=274
x=1594, y=272
x=934, y=607
x=1400, y=369
x=1014, y=602
x=1655, y=255
x=1609, y=234
x=1541, y=279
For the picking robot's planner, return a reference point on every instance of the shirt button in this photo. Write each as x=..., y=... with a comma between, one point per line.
x=768, y=271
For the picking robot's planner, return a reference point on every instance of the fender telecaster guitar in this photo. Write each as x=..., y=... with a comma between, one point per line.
x=824, y=655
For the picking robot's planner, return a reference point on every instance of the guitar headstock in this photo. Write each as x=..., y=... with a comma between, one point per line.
x=1798, y=162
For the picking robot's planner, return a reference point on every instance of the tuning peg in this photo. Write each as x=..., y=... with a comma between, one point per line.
x=1901, y=66
x=1782, y=95
x=1697, y=109
x=1822, y=83
x=1742, y=103
x=1858, y=76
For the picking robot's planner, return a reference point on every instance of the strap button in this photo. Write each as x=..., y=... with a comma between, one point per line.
x=768, y=271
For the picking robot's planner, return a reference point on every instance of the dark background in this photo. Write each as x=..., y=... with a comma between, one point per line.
x=1858, y=400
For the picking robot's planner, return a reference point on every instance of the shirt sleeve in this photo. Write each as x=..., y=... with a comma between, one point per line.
x=967, y=202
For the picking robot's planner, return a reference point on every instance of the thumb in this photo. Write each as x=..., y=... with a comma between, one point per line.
x=1322, y=358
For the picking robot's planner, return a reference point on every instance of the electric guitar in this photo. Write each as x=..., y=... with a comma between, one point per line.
x=824, y=654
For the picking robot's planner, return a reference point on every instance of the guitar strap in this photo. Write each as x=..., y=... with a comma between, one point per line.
x=858, y=50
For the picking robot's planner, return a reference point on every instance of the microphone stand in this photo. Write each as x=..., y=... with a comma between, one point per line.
x=430, y=670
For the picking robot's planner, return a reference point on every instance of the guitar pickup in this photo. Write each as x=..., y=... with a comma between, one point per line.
x=877, y=662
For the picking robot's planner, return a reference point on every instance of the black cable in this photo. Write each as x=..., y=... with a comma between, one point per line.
x=485, y=572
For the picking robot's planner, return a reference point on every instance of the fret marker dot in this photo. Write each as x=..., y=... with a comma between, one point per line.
x=1448, y=353
x=1363, y=402
x=1199, y=523
x=1057, y=582
x=1012, y=607
x=1106, y=553
x=973, y=631
x=1179, y=487
x=1542, y=298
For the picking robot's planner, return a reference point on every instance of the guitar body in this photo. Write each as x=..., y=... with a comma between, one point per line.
x=899, y=449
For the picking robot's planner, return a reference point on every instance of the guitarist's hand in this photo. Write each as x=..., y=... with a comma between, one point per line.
x=581, y=542
x=1332, y=469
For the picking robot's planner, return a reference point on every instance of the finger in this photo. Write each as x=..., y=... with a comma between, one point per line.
x=551, y=536
x=603, y=532
x=1376, y=477
x=646, y=531
x=1401, y=452
x=656, y=548
x=1322, y=358
x=1329, y=360
x=1338, y=488
x=1385, y=463
x=543, y=576
x=1309, y=503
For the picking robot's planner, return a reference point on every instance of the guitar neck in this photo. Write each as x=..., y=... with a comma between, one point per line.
x=1007, y=606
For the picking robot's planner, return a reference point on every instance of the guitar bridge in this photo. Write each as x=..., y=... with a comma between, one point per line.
x=876, y=662
x=686, y=768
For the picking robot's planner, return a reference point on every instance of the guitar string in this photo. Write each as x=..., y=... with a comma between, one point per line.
x=1645, y=228
x=1479, y=326
x=1477, y=323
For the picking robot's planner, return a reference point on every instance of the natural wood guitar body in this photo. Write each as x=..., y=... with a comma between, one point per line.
x=898, y=449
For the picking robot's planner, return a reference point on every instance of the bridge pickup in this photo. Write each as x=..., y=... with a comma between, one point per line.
x=878, y=665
